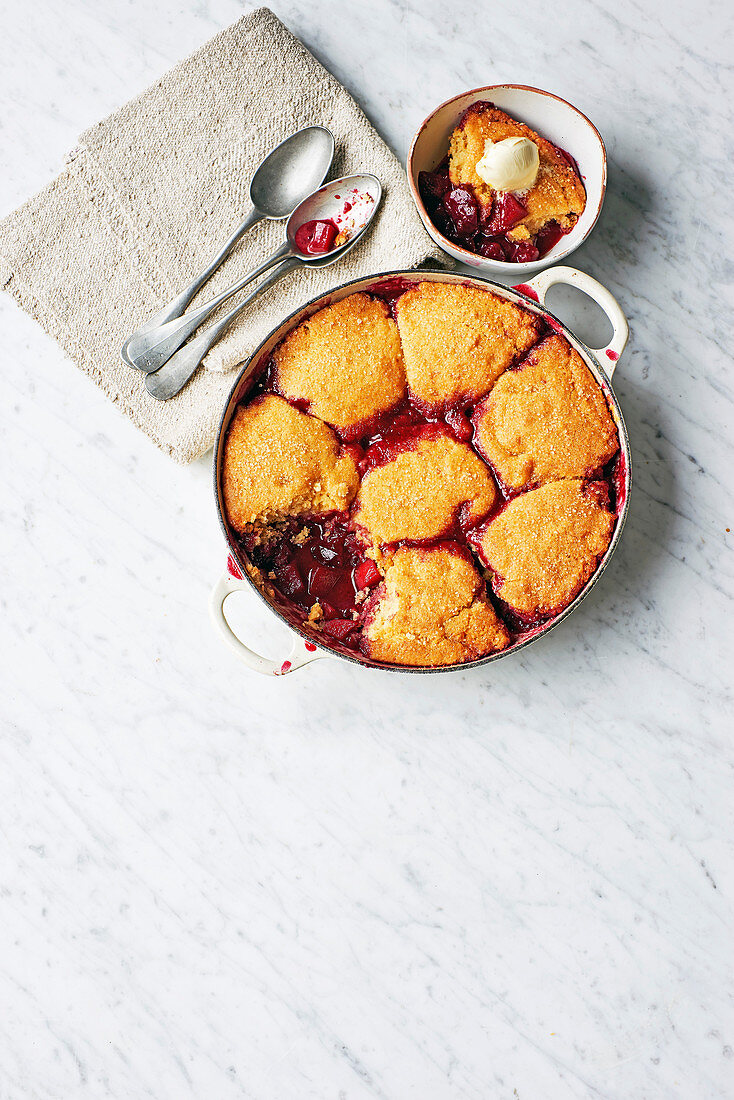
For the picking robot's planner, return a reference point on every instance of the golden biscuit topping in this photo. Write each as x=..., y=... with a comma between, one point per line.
x=545, y=545
x=545, y=420
x=279, y=461
x=345, y=360
x=361, y=562
x=457, y=340
x=420, y=492
x=431, y=610
x=557, y=194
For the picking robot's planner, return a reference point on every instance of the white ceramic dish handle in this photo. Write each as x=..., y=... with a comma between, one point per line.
x=299, y=655
x=608, y=355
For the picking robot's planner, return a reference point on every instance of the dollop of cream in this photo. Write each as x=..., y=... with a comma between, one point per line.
x=509, y=165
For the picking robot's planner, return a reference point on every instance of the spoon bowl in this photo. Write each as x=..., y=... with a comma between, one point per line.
x=349, y=202
x=286, y=176
x=291, y=171
x=326, y=204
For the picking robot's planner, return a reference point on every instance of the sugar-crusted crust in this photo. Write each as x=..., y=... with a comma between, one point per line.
x=418, y=494
x=431, y=609
x=345, y=360
x=545, y=545
x=279, y=461
x=457, y=340
x=546, y=419
x=558, y=194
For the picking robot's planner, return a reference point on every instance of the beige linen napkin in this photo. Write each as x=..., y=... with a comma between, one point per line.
x=152, y=192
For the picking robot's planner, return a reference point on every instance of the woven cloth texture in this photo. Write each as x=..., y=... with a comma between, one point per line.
x=152, y=192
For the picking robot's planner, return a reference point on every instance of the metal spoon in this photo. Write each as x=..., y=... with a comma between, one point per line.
x=149, y=350
x=321, y=206
x=284, y=178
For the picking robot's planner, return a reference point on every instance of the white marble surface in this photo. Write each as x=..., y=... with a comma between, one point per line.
x=514, y=883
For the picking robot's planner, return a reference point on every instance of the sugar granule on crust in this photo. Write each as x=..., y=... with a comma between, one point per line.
x=281, y=462
x=431, y=609
x=545, y=420
x=345, y=360
x=457, y=340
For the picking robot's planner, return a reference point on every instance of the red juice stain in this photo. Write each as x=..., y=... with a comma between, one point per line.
x=613, y=355
x=233, y=568
x=310, y=647
x=285, y=667
x=527, y=291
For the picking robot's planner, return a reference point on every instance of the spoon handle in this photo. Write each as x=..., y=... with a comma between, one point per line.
x=173, y=376
x=148, y=349
x=178, y=305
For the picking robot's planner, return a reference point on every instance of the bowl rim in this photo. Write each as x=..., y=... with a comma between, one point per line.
x=323, y=299
x=503, y=267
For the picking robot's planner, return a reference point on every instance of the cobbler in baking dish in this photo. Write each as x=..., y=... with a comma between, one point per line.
x=422, y=478
x=503, y=192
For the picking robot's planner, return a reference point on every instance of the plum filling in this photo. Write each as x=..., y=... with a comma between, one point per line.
x=457, y=214
x=316, y=237
x=389, y=290
x=316, y=562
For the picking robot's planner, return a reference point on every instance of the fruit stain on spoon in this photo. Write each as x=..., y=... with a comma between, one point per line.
x=323, y=235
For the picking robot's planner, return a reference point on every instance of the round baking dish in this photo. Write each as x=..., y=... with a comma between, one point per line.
x=305, y=648
x=551, y=117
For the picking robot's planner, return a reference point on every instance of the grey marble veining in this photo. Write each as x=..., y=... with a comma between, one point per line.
x=511, y=883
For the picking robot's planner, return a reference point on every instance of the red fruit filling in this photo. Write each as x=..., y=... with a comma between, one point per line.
x=317, y=237
x=548, y=236
x=494, y=248
x=393, y=432
x=456, y=214
x=366, y=575
x=389, y=290
x=434, y=185
x=340, y=629
x=460, y=425
x=507, y=211
x=461, y=208
x=523, y=252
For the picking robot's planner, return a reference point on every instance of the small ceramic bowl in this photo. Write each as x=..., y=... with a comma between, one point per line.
x=550, y=116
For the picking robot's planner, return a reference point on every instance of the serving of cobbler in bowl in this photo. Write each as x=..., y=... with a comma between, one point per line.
x=507, y=178
x=422, y=471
